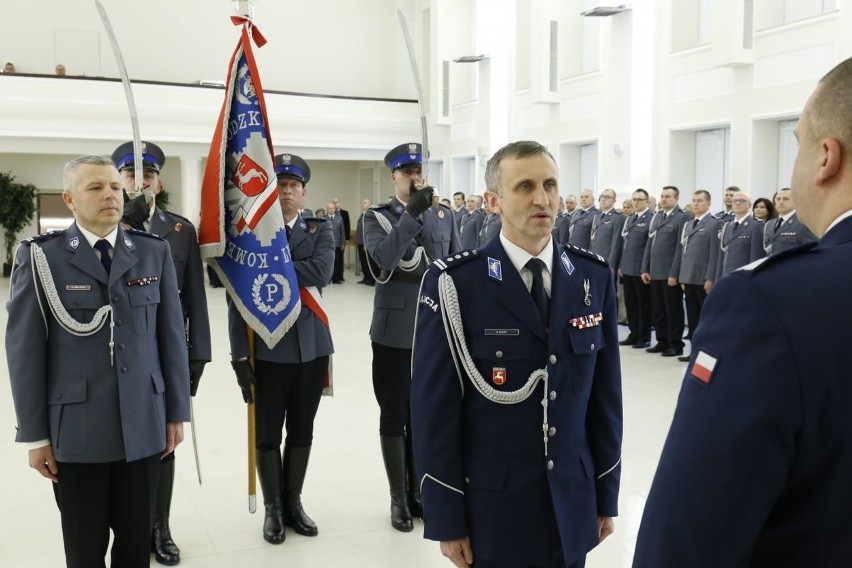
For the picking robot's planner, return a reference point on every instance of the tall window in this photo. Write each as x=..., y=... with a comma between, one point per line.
x=589, y=167
x=787, y=149
x=591, y=39
x=713, y=162
x=800, y=9
x=705, y=22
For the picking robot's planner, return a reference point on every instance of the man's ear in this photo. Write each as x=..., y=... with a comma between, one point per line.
x=831, y=160
x=492, y=200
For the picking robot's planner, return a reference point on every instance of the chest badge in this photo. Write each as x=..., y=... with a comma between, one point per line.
x=566, y=263
x=440, y=213
x=178, y=227
x=74, y=243
x=587, y=299
x=498, y=375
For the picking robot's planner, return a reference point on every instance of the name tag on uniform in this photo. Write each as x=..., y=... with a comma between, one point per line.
x=77, y=287
x=502, y=332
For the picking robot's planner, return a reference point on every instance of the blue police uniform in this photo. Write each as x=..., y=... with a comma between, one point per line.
x=578, y=230
x=637, y=295
x=784, y=234
x=470, y=223
x=517, y=428
x=755, y=468
x=605, y=235
x=740, y=243
x=490, y=229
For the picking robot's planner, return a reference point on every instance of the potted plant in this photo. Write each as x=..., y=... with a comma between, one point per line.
x=17, y=209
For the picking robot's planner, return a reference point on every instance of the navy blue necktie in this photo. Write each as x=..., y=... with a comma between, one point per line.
x=103, y=247
x=542, y=302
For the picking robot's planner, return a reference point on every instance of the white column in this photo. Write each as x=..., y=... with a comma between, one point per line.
x=191, y=175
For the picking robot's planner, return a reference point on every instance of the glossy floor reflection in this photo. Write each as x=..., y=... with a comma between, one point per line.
x=345, y=490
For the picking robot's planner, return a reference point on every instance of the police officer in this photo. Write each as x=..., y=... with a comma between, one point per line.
x=606, y=229
x=496, y=493
x=727, y=214
x=338, y=230
x=786, y=231
x=579, y=226
x=289, y=377
x=97, y=360
x=754, y=471
x=402, y=236
x=695, y=259
x=470, y=222
x=180, y=234
x=666, y=295
x=741, y=238
x=490, y=227
x=363, y=257
x=637, y=298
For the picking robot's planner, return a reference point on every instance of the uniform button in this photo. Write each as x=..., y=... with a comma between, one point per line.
x=592, y=347
x=549, y=464
x=499, y=354
x=117, y=323
x=551, y=431
x=121, y=346
x=467, y=480
x=149, y=297
x=115, y=298
x=124, y=369
x=59, y=397
x=552, y=395
x=553, y=359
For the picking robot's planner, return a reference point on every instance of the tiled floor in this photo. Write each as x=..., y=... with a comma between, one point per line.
x=345, y=491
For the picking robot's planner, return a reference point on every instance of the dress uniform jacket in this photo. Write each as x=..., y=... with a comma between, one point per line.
x=634, y=236
x=182, y=239
x=739, y=246
x=395, y=244
x=485, y=470
x=663, y=238
x=791, y=234
x=469, y=226
x=755, y=469
x=490, y=228
x=606, y=231
x=64, y=386
x=338, y=231
x=561, y=219
x=312, y=250
x=697, y=252
x=578, y=230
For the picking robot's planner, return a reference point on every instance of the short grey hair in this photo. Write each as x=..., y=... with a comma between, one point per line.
x=73, y=165
x=519, y=149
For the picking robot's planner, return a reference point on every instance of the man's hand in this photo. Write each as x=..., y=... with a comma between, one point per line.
x=419, y=200
x=245, y=378
x=196, y=369
x=174, y=436
x=458, y=551
x=605, y=527
x=135, y=211
x=42, y=460
x=646, y=278
x=672, y=281
x=708, y=285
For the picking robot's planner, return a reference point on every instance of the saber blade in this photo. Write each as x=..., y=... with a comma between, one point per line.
x=418, y=86
x=194, y=439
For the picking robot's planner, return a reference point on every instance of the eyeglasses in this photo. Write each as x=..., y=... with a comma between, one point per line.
x=739, y=201
x=640, y=199
x=602, y=197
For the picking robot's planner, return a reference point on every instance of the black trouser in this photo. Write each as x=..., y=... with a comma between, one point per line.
x=96, y=497
x=365, y=260
x=694, y=295
x=287, y=392
x=337, y=273
x=667, y=309
x=637, y=302
x=392, y=387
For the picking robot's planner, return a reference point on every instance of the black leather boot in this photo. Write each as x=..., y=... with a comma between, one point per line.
x=164, y=549
x=415, y=501
x=269, y=472
x=393, y=454
x=295, y=466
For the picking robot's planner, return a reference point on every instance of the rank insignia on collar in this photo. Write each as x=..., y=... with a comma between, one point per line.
x=399, y=209
x=144, y=281
x=303, y=225
x=178, y=227
x=127, y=242
x=162, y=217
x=74, y=243
x=498, y=375
x=440, y=213
x=495, y=269
x=566, y=263
x=591, y=320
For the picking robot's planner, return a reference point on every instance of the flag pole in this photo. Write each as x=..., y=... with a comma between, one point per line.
x=252, y=432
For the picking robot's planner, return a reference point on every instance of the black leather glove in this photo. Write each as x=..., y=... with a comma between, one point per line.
x=419, y=200
x=196, y=369
x=245, y=378
x=135, y=211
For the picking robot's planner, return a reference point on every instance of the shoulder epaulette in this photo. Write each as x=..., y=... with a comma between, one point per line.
x=143, y=234
x=181, y=217
x=456, y=259
x=381, y=206
x=43, y=237
x=771, y=260
x=589, y=254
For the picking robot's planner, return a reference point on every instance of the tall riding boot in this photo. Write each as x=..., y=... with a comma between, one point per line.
x=164, y=549
x=269, y=472
x=295, y=466
x=393, y=453
x=415, y=501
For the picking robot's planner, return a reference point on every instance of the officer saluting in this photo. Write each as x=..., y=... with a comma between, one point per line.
x=97, y=361
x=402, y=237
x=290, y=376
x=144, y=215
x=516, y=407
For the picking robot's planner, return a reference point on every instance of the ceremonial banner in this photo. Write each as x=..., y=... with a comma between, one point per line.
x=242, y=231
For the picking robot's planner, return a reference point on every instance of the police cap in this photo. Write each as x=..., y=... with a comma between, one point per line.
x=152, y=156
x=404, y=155
x=293, y=166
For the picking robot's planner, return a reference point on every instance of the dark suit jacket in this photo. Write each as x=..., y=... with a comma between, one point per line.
x=755, y=469
x=483, y=464
x=64, y=386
